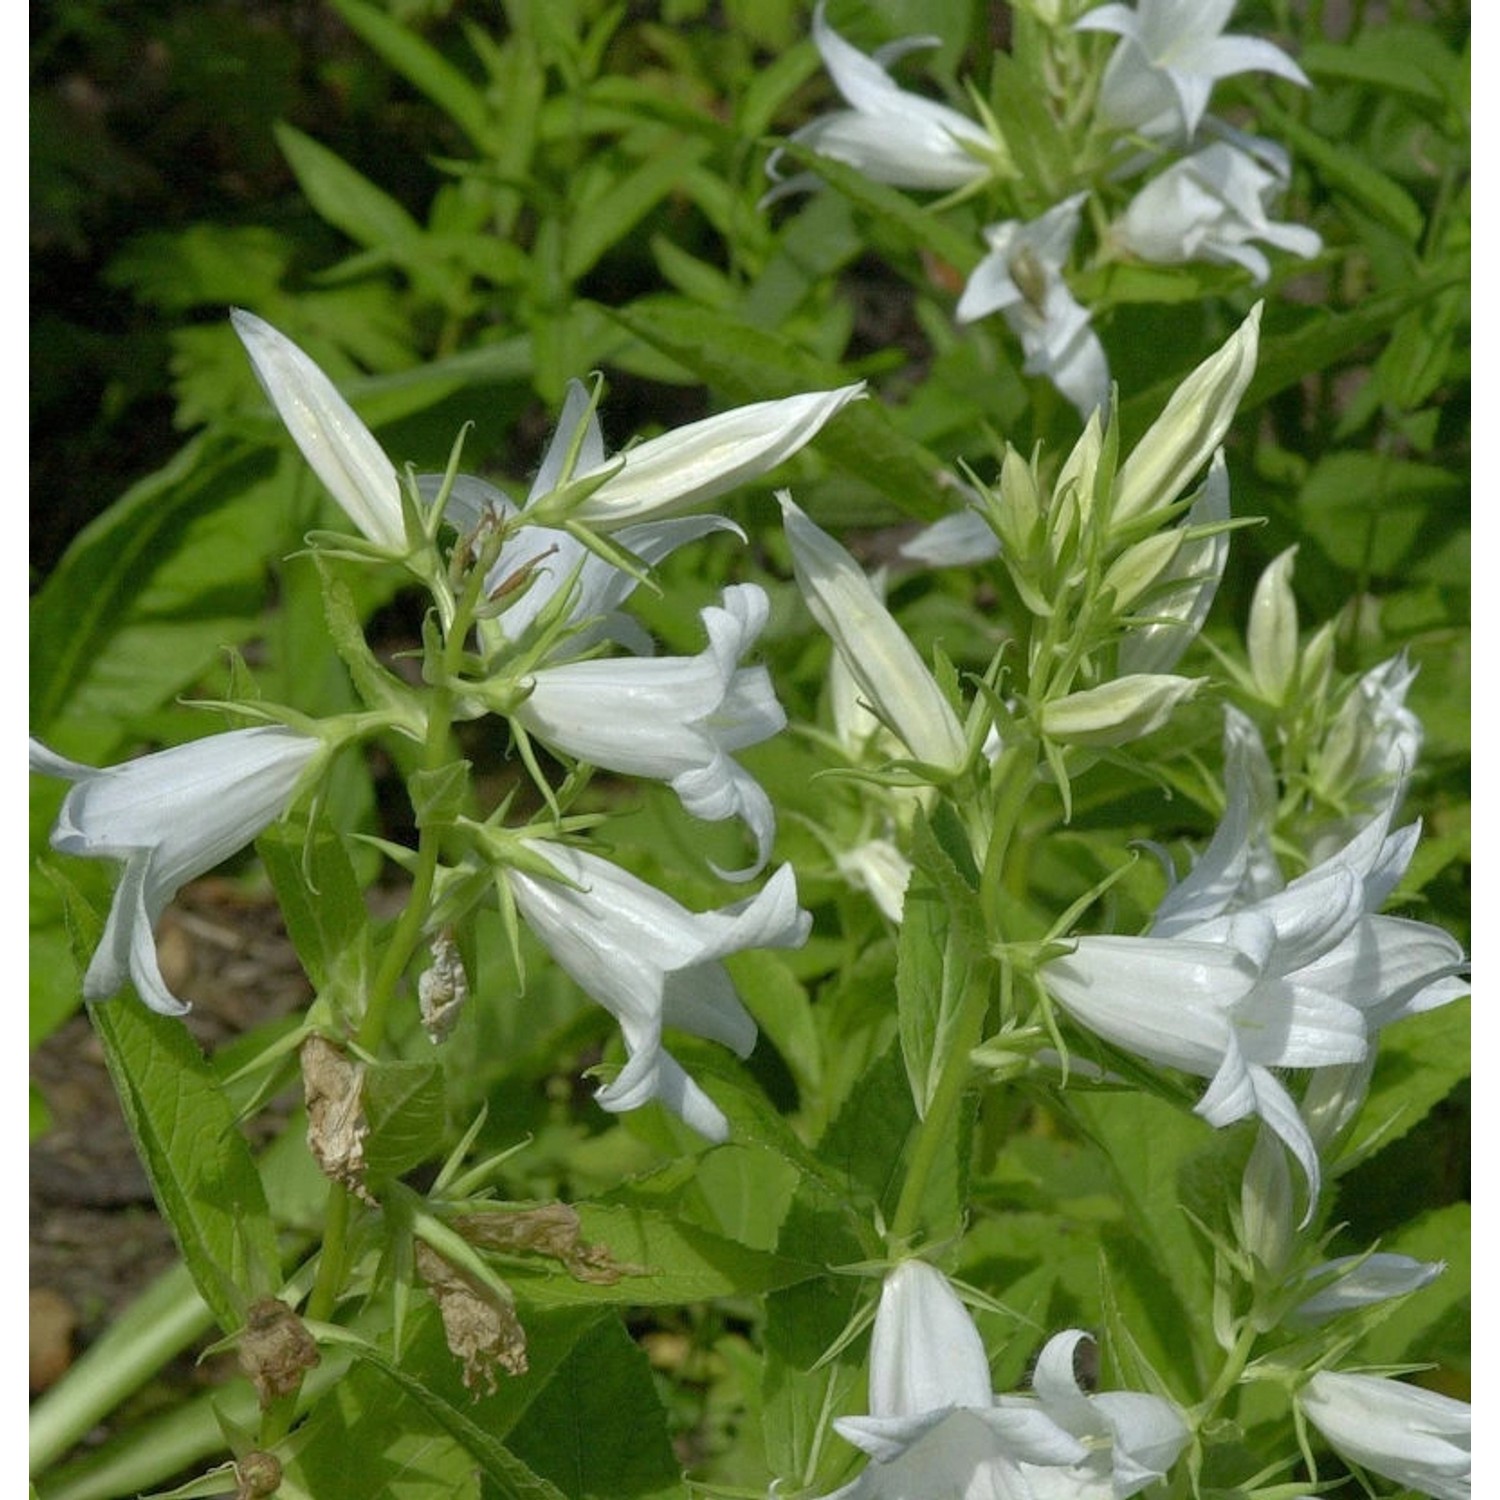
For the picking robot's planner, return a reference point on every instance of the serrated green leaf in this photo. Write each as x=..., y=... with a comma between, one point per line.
x=666, y=1261
x=320, y=899
x=405, y=1106
x=597, y=1430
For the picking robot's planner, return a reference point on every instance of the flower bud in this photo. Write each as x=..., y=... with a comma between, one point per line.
x=1116, y=712
x=1182, y=439
x=880, y=658
x=1271, y=637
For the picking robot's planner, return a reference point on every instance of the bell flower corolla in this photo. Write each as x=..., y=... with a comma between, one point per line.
x=1132, y=1439
x=1229, y=986
x=1418, y=1438
x=1210, y=206
x=889, y=135
x=672, y=718
x=1022, y=278
x=935, y=1426
x=653, y=964
x=168, y=818
x=894, y=679
x=667, y=475
x=1170, y=55
x=342, y=451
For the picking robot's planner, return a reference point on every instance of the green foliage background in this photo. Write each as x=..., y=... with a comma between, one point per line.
x=456, y=208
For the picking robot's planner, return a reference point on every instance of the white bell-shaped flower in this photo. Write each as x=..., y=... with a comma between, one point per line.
x=168, y=818
x=673, y=718
x=653, y=964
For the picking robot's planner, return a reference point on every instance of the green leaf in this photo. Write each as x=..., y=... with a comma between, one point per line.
x=149, y=593
x=597, y=1430
x=320, y=899
x=606, y=217
x=867, y=1139
x=188, y=1140
x=1158, y=1153
x=1345, y=171
x=404, y=1104
x=426, y=69
x=345, y=198
x=1422, y=1060
x=747, y=364
x=667, y=1262
x=505, y=1473
x=1371, y=512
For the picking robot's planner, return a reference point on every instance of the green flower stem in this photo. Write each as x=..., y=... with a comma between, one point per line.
x=1229, y=1375
x=1012, y=782
x=403, y=943
x=936, y=1130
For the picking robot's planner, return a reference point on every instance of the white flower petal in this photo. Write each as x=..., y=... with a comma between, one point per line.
x=342, y=451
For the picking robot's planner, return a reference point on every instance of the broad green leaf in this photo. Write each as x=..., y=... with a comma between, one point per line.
x=404, y=1105
x=666, y=1261
x=867, y=1140
x=801, y=1392
x=200, y=1167
x=368, y=1439
x=597, y=1430
x=1155, y=1152
x=1432, y=1324
x=150, y=592
x=1422, y=1059
x=187, y=1138
x=320, y=899
x=748, y=364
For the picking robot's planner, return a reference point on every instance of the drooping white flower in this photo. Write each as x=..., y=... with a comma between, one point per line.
x=1416, y=1437
x=1132, y=1439
x=673, y=718
x=894, y=679
x=1022, y=278
x=888, y=134
x=1170, y=55
x=342, y=451
x=935, y=1426
x=653, y=964
x=1230, y=988
x=1211, y=206
x=168, y=818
